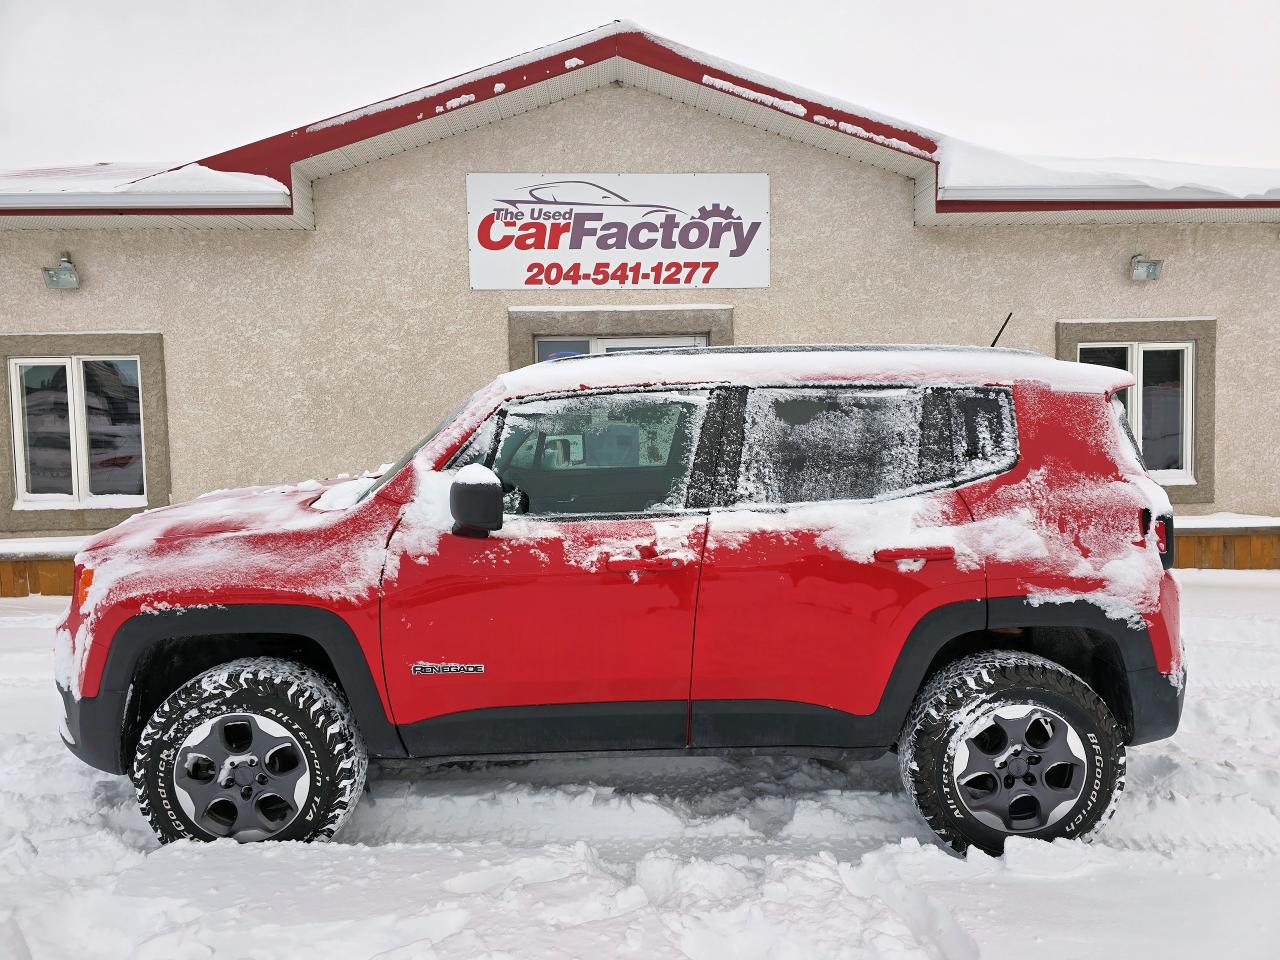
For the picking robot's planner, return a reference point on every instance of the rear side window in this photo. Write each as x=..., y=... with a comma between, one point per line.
x=806, y=444
x=812, y=444
x=984, y=434
x=1121, y=416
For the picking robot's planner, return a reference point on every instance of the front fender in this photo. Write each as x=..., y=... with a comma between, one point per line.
x=94, y=726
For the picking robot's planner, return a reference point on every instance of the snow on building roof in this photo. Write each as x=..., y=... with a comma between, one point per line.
x=969, y=171
x=958, y=182
x=149, y=185
x=754, y=365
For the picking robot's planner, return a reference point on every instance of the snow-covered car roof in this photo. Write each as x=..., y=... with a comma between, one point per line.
x=782, y=364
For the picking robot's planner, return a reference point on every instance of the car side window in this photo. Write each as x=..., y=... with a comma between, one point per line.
x=984, y=432
x=810, y=444
x=601, y=453
x=479, y=445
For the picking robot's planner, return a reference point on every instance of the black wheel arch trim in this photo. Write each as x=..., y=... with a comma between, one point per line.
x=97, y=724
x=1154, y=698
x=1133, y=643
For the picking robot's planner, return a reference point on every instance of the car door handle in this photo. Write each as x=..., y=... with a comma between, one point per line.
x=637, y=564
x=890, y=554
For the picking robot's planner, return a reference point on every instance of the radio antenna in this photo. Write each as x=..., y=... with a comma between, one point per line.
x=1001, y=330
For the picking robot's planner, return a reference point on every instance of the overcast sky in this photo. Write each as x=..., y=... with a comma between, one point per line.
x=91, y=80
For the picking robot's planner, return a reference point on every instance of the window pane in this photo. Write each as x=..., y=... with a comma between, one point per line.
x=46, y=429
x=1109, y=356
x=627, y=344
x=986, y=440
x=561, y=348
x=805, y=444
x=113, y=416
x=615, y=453
x=1162, y=406
x=478, y=446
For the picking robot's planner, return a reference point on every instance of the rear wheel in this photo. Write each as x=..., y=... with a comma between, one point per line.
x=1010, y=744
x=256, y=749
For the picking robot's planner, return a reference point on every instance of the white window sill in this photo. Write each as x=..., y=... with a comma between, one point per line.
x=114, y=501
x=1173, y=478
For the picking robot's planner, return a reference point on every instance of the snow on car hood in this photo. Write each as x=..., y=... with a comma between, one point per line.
x=214, y=540
x=252, y=536
x=261, y=509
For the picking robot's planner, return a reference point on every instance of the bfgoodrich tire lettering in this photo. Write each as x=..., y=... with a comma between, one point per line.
x=292, y=702
x=1001, y=685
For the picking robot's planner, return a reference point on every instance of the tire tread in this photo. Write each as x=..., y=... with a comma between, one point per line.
x=305, y=689
x=968, y=681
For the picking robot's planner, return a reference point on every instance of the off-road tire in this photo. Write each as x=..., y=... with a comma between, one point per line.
x=296, y=698
x=959, y=694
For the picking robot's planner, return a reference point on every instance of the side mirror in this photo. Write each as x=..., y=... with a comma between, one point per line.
x=475, y=500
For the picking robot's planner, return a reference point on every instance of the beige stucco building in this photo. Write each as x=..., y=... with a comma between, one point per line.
x=328, y=332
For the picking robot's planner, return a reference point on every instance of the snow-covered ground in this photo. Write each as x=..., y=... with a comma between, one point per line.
x=666, y=858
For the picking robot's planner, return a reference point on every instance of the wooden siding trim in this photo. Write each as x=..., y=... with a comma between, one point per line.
x=49, y=576
x=1234, y=550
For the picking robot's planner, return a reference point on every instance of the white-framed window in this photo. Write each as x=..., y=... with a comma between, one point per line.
x=547, y=348
x=77, y=432
x=1161, y=408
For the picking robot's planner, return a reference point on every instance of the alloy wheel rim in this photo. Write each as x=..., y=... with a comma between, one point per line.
x=1018, y=768
x=242, y=776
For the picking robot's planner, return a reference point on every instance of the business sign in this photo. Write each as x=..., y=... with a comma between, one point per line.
x=583, y=231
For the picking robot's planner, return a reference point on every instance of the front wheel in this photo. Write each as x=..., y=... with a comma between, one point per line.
x=1008, y=744
x=256, y=749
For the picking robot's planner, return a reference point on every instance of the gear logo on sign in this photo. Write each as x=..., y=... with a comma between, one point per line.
x=716, y=212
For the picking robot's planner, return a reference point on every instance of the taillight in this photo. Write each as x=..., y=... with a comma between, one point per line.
x=1160, y=529
x=1161, y=534
x=84, y=581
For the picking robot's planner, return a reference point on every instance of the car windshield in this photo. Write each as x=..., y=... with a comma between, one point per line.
x=412, y=452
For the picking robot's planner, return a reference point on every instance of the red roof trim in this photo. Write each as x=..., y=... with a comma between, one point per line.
x=1024, y=206
x=273, y=156
x=148, y=212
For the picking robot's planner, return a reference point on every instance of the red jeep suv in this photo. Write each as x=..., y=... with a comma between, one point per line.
x=833, y=551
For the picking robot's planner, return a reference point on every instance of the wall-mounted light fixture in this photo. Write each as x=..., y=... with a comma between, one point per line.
x=63, y=276
x=1142, y=268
